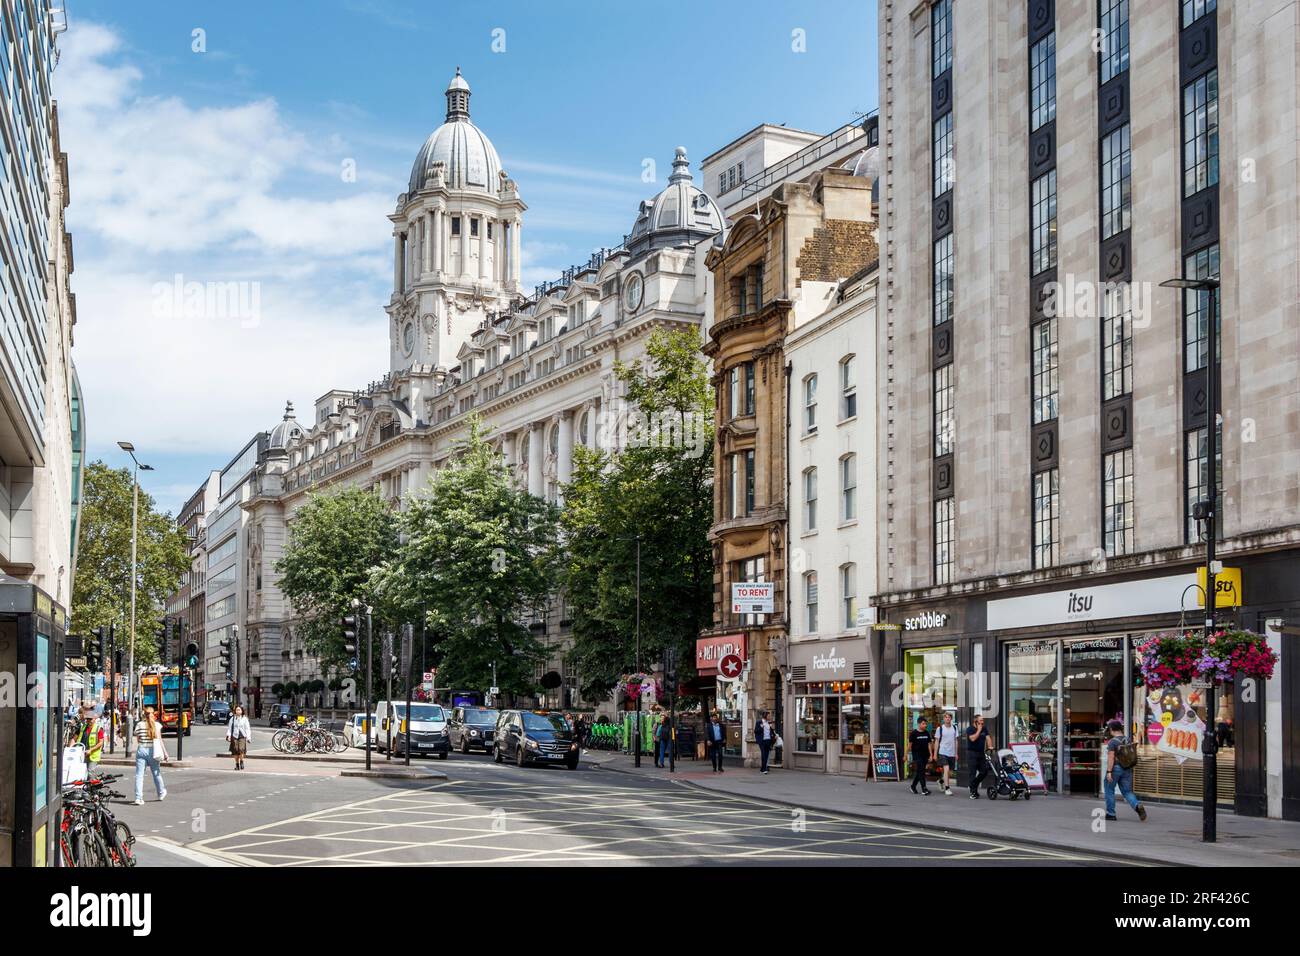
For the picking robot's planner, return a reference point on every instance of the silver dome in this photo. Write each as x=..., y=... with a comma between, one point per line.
x=681, y=213
x=286, y=431
x=469, y=159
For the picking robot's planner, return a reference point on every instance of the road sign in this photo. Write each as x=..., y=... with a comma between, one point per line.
x=494, y=691
x=729, y=667
x=753, y=597
x=428, y=676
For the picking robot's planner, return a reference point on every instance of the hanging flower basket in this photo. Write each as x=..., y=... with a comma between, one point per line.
x=632, y=683
x=1181, y=657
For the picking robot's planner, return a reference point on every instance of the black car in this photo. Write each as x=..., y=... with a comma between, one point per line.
x=531, y=737
x=218, y=712
x=279, y=715
x=472, y=728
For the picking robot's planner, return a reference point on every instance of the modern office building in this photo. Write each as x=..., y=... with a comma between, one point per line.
x=40, y=408
x=1043, y=410
x=187, y=604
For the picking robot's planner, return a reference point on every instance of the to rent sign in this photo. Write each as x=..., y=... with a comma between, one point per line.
x=753, y=597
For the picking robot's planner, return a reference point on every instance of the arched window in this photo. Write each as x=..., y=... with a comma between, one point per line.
x=584, y=429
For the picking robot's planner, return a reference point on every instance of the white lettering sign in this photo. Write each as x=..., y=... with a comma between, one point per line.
x=925, y=622
x=828, y=662
x=1126, y=599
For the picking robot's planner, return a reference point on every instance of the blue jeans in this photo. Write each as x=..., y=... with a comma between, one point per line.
x=1124, y=780
x=663, y=751
x=146, y=758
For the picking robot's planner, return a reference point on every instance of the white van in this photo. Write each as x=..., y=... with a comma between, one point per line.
x=428, y=728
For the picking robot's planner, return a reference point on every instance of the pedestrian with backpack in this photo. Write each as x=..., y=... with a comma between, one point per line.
x=1121, y=758
x=945, y=748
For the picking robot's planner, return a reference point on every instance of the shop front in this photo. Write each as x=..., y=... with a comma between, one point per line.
x=1050, y=668
x=830, y=702
x=720, y=691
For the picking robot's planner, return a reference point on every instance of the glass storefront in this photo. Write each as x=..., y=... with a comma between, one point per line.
x=1168, y=726
x=932, y=682
x=1033, y=686
x=1093, y=693
x=832, y=710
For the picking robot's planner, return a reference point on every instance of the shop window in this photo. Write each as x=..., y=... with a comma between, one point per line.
x=1093, y=694
x=932, y=682
x=1033, y=683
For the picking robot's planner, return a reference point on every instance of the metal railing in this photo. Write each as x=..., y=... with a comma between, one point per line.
x=813, y=152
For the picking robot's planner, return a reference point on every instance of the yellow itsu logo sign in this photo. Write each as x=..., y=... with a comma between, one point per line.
x=1227, y=588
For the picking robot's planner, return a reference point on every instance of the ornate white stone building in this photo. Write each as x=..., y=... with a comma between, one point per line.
x=465, y=339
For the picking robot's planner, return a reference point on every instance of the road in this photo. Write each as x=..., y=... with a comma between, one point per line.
x=304, y=814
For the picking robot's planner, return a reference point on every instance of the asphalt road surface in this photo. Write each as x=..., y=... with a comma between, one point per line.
x=303, y=814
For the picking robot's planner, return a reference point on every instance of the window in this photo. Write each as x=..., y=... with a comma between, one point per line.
x=749, y=388
x=1042, y=82
x=1043, y=380
x=741, y=483
x=1201, y=133
x=755, y=275
x=740, y=388
x=218, y=609
x=584, y=430
x=849, y=488
x=1117, y=502
x=1116, y=182
x=1196, y=309
x=1047, y=518
x=1114, y=38
x=848, y=389
x=749, y=571
x=749, y=481
x=473, y=227
x=810, y=404
x=943, y=268
x=810, y=499
x=810, y=601
x=1042, y=235
x=1198, y=480
x=1116, y=348
x=455, y=225
x=943, y=411
x=944, y=533
x=489, y=229
x=944, y=169
x=849, y=594
x=941, y=36
x=1193, y=10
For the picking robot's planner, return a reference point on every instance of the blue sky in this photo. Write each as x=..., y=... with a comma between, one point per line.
x=226, y=165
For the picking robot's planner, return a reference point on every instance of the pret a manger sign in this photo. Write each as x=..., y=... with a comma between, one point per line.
x=709, y=651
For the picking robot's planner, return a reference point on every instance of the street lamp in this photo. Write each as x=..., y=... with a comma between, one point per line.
x=129, y=448
x=1207, y=511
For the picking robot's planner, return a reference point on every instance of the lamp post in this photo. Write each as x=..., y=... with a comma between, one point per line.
x=1206, y=510
x=129, y=448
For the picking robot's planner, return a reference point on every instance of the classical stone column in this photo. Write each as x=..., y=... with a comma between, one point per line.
x=514, y=250
x=536, y=459
x=427, y=226
x=508, y=450
x=498, y=264
x=397, y=261
x=564, y=462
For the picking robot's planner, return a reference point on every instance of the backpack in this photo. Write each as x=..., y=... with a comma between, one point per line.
x=1126, y=754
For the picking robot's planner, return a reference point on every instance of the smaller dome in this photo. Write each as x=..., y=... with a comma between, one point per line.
x=286, y=431
x=866, y=164
x=681, y=213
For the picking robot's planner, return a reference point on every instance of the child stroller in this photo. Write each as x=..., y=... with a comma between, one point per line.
x=1005, y=778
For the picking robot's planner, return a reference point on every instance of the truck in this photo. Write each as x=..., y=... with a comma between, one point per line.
x=172, y=714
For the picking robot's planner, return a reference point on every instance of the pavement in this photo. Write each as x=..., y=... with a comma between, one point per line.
x=1171, y=834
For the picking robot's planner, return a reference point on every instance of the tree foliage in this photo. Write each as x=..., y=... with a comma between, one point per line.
x=479, y=557
x=102, y=586
x=337, y=540
x=660, y=490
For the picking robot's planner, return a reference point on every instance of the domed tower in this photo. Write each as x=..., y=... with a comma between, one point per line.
x=456, y=241
x=682, y=213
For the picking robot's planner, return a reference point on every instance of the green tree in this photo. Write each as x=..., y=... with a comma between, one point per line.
x=102, y=589
x=479, y=557
x=660, y=490
x=336, y=541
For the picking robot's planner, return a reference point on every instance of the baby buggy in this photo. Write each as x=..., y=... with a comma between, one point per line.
x=1005, y=778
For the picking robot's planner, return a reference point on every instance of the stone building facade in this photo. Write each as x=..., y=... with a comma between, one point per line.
x=1047, y=165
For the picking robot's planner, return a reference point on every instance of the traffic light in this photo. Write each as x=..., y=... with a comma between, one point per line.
x=101, y=647
x=192, y=655
x=223, y=663
x=350, y=629
x=168, y=630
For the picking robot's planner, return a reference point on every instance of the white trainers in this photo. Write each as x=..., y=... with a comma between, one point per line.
x=138, y=801
x=162, y=796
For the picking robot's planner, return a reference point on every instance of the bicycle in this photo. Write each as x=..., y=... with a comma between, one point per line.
x=89, y=834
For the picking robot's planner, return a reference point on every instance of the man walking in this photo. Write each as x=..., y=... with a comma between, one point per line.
x=945, y=747
x=1119, y=751
x=765, y=734
x=922, y=742
x=977, y=742
x=717, y=735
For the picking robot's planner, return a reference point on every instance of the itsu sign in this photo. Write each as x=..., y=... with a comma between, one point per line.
x=709, y=652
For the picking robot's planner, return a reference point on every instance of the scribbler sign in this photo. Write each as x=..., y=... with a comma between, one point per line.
x=755, y=597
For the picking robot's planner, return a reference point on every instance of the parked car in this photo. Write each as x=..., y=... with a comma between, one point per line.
x=218, y=712
x=279, y=715
x=534, y=737
x=354, y=730
x=428, y=728
x=472, y=728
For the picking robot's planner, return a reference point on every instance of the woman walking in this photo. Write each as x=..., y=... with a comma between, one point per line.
x=238, y=732
x=149, y=752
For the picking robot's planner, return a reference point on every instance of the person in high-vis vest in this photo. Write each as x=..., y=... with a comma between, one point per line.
x=92, y=735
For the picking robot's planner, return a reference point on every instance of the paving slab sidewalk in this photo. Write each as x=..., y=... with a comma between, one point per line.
x=1171, y=835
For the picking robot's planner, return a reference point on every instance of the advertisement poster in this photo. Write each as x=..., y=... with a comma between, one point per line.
x=1173, y=725
x=1031, y=764
x=42, y=721
x=884, y=761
